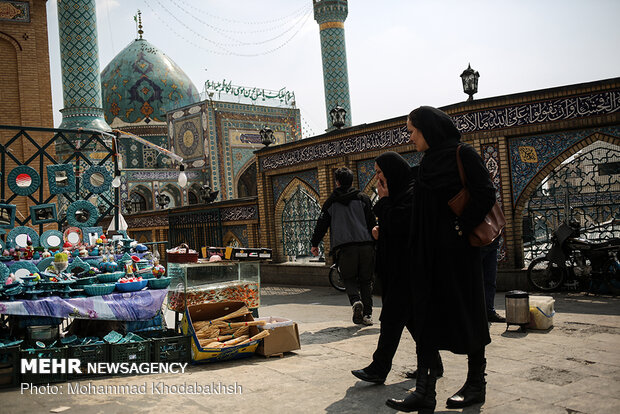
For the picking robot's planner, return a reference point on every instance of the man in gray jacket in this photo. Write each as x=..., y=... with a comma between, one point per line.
x=348, y=214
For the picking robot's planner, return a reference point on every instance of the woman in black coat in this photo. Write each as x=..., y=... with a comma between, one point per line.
x=448, y=296
x=395, y=189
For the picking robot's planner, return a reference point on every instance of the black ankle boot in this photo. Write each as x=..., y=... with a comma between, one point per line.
x=473, y=391
x=423, y=398
x=413, y=374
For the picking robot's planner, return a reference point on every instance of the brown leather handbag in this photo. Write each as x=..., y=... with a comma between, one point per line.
x=491, y=227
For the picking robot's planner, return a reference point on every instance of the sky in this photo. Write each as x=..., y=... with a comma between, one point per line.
x=400, y=53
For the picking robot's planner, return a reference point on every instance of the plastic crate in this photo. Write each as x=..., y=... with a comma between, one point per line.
x=9, y=366
x=170, y=347
x=91, y=353
x=51, y=353
x=131, y=352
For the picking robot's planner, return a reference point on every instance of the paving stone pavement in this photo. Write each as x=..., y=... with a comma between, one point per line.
x=572, y=368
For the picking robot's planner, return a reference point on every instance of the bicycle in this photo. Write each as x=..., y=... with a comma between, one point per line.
x=334, y=278
x=593, y=265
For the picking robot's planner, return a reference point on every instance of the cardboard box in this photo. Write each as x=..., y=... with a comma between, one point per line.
x=283, y=336
x=210, y=311
x=247, y=253
x=207, y=252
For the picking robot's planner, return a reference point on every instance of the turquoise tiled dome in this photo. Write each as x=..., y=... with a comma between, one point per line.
x=141, y=84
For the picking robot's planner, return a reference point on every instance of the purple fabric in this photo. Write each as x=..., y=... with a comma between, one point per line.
x=130, y=306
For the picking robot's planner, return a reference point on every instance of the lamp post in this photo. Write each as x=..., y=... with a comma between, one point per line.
x=470, y=81
x=338, y=116
x=266, y=136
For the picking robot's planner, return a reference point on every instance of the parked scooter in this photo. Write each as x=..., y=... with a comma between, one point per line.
x=595, y=265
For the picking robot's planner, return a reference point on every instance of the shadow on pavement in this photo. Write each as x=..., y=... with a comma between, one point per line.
x=335, y=334
x=363, y=397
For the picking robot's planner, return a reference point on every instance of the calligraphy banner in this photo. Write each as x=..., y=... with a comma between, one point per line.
x=352, y=145
x=539, y=112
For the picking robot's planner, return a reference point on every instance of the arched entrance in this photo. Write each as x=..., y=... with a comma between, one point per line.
x=584, y=187
x=246, y=186
x=299, y=217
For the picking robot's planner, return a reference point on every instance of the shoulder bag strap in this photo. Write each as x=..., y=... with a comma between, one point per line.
x=460, y=166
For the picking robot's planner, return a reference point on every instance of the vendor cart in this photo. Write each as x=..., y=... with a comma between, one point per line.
x=207, y=282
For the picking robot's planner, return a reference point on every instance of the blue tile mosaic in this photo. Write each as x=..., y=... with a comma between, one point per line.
x=529, y=155
x=280, y=182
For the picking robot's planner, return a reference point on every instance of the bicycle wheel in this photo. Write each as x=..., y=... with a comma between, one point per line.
x=545, y=275
x=611, y=276
x=335, y=280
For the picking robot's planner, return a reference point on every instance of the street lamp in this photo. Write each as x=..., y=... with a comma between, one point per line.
x=338, y=116
x=266, y=136
x=182, y=180
x=470, y=81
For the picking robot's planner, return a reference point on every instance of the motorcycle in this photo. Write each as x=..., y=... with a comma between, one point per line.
x=594, y=265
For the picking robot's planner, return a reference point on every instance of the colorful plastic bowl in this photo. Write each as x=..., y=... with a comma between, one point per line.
x=160, y=283
x=131, y=286
x=110, y=277
x=99, y=289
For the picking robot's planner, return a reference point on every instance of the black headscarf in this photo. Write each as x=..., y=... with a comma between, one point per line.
x=396, y=171
x=439, y=162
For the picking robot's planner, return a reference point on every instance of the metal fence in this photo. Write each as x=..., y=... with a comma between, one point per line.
x=195, y=228
x=585, y=188
x=83, y=162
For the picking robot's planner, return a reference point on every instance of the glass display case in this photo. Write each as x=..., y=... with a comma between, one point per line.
x=195, y=283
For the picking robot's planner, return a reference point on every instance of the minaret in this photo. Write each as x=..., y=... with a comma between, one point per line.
x=79, y=54
x=330, y=15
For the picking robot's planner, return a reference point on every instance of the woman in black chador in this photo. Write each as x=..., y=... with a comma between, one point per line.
x=395, y=190
x=448, y=296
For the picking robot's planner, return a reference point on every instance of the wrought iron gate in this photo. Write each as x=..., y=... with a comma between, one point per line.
x=585, y=187
x=298, y=220
x=196, y=228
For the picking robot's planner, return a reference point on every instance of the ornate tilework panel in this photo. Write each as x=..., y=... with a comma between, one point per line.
x=213, y=153
x=150, y=221
x=15, y=11
x=160, y=175
x=490, y=156
x=241, y=156
x=241, y=232
x=536, y=113
x=351, y=145
x=529, y=155
x=188, y=140
x=79, y=52
x=330, y=11
x=141, y=83
x=335, y=75
x=280, y=182
x=150, y=157
x=239, y=213
x=241, y=133
x=366, y=168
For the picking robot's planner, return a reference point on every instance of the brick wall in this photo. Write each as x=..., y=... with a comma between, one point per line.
x=25, y=87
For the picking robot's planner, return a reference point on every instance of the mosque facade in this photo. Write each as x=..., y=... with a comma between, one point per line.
x=554, y=154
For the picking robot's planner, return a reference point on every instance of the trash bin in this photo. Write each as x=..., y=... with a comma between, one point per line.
x=517, y=308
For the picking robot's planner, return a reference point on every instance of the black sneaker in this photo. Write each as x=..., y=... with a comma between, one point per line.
x=495, y=317
x=358, y=313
